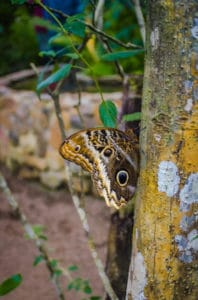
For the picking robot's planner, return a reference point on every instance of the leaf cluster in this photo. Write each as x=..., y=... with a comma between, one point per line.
x=17, y=38
x=10, y=284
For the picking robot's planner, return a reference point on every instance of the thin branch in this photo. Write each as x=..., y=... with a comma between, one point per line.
x=30, y=232
x=80, y=210
x=77, y=106
x=117, y=64
x=140, y=19
x=82, y=214
x=109, y=37
x=59, y=115
x=54, y=96
x=98, y=14
x=50, y=11
x=97, y=22
x=98, y=31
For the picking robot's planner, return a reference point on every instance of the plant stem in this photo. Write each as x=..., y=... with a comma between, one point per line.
x=80, y=210
x=100, y=32
x=50, y=11
x=82, y=214
x=30, y=232
x=140, y=19
x=59, y=115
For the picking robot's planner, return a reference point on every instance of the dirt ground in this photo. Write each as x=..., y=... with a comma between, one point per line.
x=66, y=239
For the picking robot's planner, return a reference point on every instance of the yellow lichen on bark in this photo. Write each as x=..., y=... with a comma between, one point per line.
x=165, y=243
x=189, y=148
x=160, y=215
x=160, y=212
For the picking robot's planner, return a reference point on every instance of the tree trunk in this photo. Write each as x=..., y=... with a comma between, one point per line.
x=164, y=261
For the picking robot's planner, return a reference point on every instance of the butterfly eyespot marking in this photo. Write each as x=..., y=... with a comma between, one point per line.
x=107, y=152
x=122, y=177
x=77, y=148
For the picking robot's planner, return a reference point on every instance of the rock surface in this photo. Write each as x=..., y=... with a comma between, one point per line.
x=30, y=135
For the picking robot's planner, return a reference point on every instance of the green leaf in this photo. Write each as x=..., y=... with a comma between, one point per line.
x=49, y=53
x=59, y=40
x=43, y=237
x=55, y=77
x=121, y=54
x=101, y=68
x=95, y=298
x=72, y=268
x=10, y=284
x=72, y=55
x=87, y=289
x=75, y=284
x=76, y=17
x=38, y=259
x=75, y=25
x=53, y=263
x=132, y=117
x=38, y=230
x=41, y=22
x=70, y=286
x=77, y=28
x=58, y=272
x=108, y=113
x=18, y=1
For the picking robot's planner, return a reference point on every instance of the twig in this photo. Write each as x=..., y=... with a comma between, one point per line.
x=21, y=75
x=140, y=19
x=98, y=14
x=98, y=31
x=30, y=232
x=82, y=214
x=75, y=198
x=97, y=22
x=117, y=64
x=77, y=106
x=59, y=115
x=50, y=11
x=80, y=210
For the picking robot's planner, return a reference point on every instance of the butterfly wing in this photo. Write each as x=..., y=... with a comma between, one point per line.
x=110, y=156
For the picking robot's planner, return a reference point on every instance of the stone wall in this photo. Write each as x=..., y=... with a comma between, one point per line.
x=30, y=136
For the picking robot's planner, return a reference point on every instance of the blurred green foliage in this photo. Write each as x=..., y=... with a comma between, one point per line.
x=19, y=42
x=120, y=21
x=17, y=38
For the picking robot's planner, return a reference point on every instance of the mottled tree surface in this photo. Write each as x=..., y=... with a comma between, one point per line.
x=165, y=242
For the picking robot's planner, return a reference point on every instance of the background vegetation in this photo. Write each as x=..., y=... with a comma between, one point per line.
x=19, y=45
x=77, y=44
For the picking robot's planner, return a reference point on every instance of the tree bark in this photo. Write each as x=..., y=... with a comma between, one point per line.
x=164, y=262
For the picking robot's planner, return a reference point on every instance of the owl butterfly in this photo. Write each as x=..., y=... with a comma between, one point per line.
x=111, y=157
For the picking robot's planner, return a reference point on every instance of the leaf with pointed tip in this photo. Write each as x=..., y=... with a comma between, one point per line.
x=132, y=117
x=38, y=259
x=18, y=1
x=54, y=77
x=121, y=54
x=10, y=284
x=108, y=113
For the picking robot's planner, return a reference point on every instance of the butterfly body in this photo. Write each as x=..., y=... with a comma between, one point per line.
x=111, y=157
